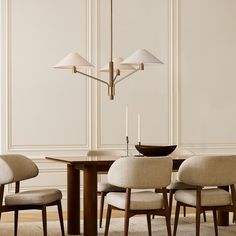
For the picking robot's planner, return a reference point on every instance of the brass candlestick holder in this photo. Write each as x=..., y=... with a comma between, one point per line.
x=139, y=154
x=127, y=146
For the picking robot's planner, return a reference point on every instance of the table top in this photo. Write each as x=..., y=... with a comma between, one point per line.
x=97, y=159
x=84, y=159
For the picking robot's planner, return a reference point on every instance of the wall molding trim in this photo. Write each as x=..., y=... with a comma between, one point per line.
x=206, y=147
x=8, y=145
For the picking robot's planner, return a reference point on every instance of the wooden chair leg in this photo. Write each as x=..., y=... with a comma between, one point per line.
x=184, y=211
x=197, y=222
x=176, y=218
x=44, y=218
x=156, y=191
x=168, y=226
x=16, y=213
x=149, y=225
x=204, y=216
x=167, y=211
x=1, y=198
x=126, y=229
x=171, y=194
x=198, y=211
x=108, y=217
x=127, y=208
x=16, y=222
x=61, y=218
x=215, y=222
x=101, y=208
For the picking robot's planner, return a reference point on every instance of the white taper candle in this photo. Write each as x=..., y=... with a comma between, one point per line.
x=139, y=128
x=126, y=122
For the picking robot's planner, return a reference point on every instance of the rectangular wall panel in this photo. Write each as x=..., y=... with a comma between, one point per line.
x=46, y=108
x=146, y=92
x=207, y=34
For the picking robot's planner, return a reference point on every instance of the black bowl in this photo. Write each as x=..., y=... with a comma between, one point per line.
x=150, y=150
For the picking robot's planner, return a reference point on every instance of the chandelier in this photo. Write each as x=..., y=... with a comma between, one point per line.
x=115, y=67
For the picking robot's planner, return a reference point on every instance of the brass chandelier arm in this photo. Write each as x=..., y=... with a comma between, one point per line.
x=116, y=76
x=92, y=77
x=119, y=80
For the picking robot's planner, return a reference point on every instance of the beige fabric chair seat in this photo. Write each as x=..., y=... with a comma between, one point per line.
x=139, y=200
x=35, y=197
x=176, y=184
x=106, y=187
x=209, y=197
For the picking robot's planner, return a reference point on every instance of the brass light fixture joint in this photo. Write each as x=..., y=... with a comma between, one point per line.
x=74, y=69
x=117, y=72
x=111, y=88
x=141, y=66
x=111, y=92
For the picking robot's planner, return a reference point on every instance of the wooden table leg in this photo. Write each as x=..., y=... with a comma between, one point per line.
x=90, y=200
x=73, y=200
x=223, y=217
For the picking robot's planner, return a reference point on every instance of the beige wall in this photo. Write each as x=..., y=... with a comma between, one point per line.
x=188, y=101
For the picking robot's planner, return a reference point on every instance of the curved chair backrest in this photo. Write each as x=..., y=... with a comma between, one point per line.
x=178, y=152
x=208, y=170
x=14, y=168
x=106, y=153
x=139, y=173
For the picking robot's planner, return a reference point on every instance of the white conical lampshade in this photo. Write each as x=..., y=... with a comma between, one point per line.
x=117, y=65
x=141, y=56
x=72, y=60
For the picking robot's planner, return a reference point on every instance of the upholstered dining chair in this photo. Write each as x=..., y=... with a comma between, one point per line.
x=178, y=185
x=15, y=168
x=140, y=173
x=103, y=186
x=207, y=171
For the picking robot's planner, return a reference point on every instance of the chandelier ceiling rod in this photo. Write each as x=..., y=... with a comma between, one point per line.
x=111, y=58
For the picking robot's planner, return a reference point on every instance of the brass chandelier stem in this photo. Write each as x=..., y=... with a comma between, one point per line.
x=111, y=87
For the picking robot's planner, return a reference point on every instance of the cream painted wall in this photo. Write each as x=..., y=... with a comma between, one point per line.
x=188, y=101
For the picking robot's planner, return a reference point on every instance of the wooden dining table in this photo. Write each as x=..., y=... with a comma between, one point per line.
x=91, y=166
